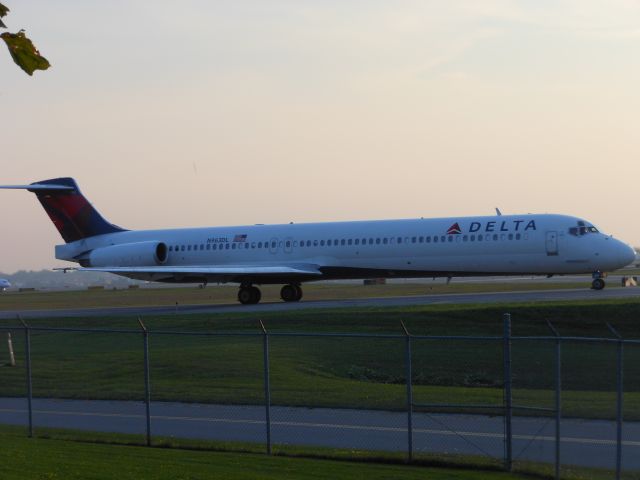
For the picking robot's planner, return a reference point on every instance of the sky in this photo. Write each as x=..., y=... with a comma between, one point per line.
x=214, y=113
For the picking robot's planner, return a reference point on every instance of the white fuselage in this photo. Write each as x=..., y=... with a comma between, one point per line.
x=492, y=245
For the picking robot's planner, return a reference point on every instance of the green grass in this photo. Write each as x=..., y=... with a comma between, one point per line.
x=69, y=454
x=22, y=458
x=341, y=372
x=227, y=294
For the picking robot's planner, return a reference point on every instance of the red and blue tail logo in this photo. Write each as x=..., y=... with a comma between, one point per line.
x=454, y=229
x=71, y=213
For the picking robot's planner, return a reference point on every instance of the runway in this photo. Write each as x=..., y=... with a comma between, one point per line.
x=588, y=443
x=454, y=298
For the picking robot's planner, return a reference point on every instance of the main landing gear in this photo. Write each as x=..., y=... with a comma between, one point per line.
x=598, y=281
x=291, y=293
x=250, y=295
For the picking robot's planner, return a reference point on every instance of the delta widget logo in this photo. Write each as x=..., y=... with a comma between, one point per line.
x=454, y=229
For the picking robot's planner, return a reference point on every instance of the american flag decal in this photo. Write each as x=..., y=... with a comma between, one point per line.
x=240, y=238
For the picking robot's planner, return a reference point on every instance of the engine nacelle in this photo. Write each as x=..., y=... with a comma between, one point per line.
x=141, y=254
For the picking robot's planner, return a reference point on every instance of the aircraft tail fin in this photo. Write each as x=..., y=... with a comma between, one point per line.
x=71, y=213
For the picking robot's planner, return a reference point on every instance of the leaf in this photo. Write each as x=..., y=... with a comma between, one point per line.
x=24, y=53
x=3, y=13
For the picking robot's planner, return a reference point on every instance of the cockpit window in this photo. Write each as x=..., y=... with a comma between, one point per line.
x=582, y=229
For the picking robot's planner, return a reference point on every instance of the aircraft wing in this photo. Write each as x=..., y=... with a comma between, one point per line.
x=225, y=273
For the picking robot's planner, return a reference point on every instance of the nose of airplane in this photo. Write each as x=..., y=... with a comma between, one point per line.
x=626, y=254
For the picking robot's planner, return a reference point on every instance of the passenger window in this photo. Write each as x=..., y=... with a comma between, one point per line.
x=288, y=244
x=465, y=238
x=479, y=238
x=344, y=242
x=435, y=239
x=274, y=244
x=451, y=238
x=421, y=238
x=377, y=241
x=384, y=241
x=226, y=247
x=189, y=248
x=356, y=241
x=511, y=236
x=428, y=240
x=371, y=241
x=413, y=239
x=495, y=237
x=322, y=243
x=233, y=246
x=518, y=236
x=473, y=238
x=214, y=246
x=399, y=239
x=170, y=248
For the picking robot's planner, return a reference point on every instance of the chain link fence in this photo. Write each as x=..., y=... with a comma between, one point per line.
x=502, y=401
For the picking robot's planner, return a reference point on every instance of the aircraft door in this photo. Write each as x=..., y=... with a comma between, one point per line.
x=273, y=245
x=552, y=243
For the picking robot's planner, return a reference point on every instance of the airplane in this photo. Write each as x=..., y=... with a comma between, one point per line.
x=4, y=284
x=291, y=254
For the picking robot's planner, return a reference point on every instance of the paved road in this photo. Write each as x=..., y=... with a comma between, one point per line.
x=589, y=443
x=458, y=298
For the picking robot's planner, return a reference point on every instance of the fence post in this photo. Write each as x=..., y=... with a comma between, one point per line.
x=27, y=353
x=147, y=383
x=408, y=374
x=12, y=357
x=558, y=401
x=508, y=405
x=619, y=399
x=267, y=386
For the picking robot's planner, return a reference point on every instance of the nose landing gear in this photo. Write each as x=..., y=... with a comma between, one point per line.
x=598, y=282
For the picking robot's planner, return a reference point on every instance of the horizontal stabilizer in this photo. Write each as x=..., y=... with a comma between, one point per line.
x=37, y=187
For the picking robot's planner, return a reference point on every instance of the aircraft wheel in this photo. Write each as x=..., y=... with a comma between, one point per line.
x=597, y=284
x=256, y=295
x=249, y=295
x=291, y=293
x=298, y=292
